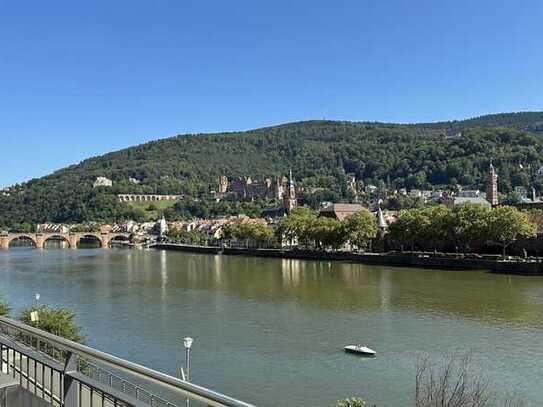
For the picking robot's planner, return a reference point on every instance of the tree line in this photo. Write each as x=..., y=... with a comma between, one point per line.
x=466, y=227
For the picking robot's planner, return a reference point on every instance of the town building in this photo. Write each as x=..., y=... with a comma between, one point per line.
x=522, y=192
x=223, y=184
x=474, y=195
x=471, y=193
x=289, y=201
x=249, y=188
x=340, y=211
x=351, y=185
x=102, y=182
x=162, y=227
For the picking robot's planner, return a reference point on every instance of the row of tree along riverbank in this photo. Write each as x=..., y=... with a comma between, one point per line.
x=528, y=266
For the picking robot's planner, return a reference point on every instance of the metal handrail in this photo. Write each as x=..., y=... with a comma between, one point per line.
x=194, y=391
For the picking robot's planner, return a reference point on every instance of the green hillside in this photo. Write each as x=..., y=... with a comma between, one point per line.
x=320, y=154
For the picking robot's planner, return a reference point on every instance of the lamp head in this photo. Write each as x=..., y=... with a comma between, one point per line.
x=187, y=342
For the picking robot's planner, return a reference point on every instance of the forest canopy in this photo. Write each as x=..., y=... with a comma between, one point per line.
x=321, y=154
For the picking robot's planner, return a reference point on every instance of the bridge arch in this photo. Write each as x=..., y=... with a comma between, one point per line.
x=115, y=237
x=56, y=236
x=21, y=236
x=86, y=236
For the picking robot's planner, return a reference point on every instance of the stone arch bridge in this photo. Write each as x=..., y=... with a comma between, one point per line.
x=72, y=239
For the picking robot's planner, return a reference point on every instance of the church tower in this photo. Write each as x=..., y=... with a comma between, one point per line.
x=492, y=186
x=289, y=196
x=279, y=189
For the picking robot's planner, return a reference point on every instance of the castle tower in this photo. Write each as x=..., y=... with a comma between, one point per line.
x=279, y=188
x=223, y=184
x=492, y=186
x=289, y=196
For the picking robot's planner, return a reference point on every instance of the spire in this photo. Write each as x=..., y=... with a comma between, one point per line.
x=381, y=221
x=289, y=196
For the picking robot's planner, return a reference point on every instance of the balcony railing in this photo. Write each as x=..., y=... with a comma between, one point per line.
x=67, y=374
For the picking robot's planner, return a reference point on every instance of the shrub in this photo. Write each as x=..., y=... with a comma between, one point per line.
x=58, y=321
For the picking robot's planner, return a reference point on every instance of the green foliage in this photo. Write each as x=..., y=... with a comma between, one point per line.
x=305, y=227
x=507, y=224
x=351, y=402
x=257, y=233
x=58, y=321
x=188, y=237
x=360, y=229
x=466, y=226
x=4, y=307
x=468, y=223
x=410, y=227
x=320, y=153
x=296, y=227
x=327, y=233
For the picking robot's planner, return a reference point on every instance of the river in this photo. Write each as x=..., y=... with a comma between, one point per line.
x=271, y=331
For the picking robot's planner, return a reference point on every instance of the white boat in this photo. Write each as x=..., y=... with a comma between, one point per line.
x=360, y=350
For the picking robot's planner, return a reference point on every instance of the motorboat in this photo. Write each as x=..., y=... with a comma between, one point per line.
x=360, y=350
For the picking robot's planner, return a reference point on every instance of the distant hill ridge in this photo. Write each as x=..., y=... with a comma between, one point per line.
x=320, y=153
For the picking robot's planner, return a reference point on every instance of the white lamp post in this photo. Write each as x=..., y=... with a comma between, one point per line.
x=187, y=344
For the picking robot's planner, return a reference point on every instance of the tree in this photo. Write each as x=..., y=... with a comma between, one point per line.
x=507, y=224
x=189, y=237
x=327, y=233
x=469, y=224
x=58, y=321
x=296, y=226
x=410, y=227
x=250, y=231
x=360, y=228
x=436, y=230
x=454, y=383
x=4, y=307
x=351, y=402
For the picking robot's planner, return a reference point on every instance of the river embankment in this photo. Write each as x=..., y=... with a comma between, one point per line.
x=494, y=264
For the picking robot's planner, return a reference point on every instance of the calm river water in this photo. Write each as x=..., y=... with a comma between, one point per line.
x=271, y=331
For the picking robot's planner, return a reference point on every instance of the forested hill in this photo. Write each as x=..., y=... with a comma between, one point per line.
x=320, y=154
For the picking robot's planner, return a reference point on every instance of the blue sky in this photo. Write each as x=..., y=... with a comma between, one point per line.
x=81, y=78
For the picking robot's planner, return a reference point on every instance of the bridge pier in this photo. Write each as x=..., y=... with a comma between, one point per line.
x=4, y=242
x=104, y=241
x=40, y=241
x=73, y=240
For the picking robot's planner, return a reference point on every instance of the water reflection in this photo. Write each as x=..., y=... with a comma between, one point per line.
x=264, y=324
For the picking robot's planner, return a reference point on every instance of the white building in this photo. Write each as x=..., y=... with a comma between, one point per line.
x=523, y=192
x=162, y=226
x=470, y=193
x=102, y=182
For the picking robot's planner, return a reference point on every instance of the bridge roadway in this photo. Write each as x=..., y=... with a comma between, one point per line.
x=72, y=239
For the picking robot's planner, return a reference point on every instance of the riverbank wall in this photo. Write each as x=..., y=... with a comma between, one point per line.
x=378, y=259
x=187, y=248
